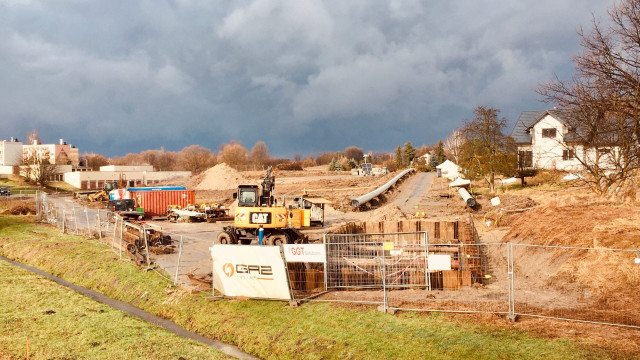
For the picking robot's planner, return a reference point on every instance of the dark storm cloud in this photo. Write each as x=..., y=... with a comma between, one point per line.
x=302, y=75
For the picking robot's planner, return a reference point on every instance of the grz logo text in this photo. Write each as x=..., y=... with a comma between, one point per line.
x=257, y=269
x=245, y=271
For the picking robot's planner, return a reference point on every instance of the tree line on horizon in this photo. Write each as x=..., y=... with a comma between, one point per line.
x=196, y=158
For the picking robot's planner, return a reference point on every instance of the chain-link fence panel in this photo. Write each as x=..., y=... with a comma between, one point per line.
x=186, y=260
x=581, y=284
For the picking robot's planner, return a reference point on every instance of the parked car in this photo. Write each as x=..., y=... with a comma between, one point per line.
x=5, y=191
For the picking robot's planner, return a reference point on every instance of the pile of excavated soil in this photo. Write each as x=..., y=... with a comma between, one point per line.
x=390, y=212
x=20, y=210
x=220, y=177
x=605, y=277
x=588, y=226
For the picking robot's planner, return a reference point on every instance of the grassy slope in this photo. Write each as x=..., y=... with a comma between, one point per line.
x=60, y=323
x=273, y=329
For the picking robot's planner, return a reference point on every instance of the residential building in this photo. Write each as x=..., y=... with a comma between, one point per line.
x=10, y=156
x=449, y=170
x=57, y=154
x=546, y=141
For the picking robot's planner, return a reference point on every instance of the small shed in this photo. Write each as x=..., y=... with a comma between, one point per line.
x=314, y=204
x=449, y=170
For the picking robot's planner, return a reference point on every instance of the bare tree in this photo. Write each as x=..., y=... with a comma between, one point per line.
x=37, y=167
x=94, y=161
x=233, y=154
x=601, y=101
x=259, y=153
x=167, y=160
x=33, y=136
x=487, y=151
x=453, y=145
x=129, y=159
x=355, y=153
x=195, y=158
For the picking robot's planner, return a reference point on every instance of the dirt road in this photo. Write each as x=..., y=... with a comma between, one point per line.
x=412, y=191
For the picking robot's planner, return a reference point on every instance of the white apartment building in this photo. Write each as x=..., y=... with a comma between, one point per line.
x=10, y=155
x=58, y=154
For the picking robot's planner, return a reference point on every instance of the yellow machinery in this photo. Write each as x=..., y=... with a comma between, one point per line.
x=257, y=208
x=103, y=195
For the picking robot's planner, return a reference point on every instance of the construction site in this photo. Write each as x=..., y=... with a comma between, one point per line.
x=402, y=240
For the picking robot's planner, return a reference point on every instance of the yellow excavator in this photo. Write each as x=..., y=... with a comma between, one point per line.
x=258, y=208
x=103, y=195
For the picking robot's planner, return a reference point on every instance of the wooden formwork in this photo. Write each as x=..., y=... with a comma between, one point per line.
x=455, y=238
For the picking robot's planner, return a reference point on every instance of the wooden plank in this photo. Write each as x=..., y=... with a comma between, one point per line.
x=450, y=280
x=465, y=278
x=314, y=279
x=391, y=226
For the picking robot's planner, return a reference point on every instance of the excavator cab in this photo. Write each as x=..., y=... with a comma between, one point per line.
x=110, y=186
x=248, y=195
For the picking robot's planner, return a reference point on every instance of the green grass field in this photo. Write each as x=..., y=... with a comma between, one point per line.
x=271, y=330
x=62, y=324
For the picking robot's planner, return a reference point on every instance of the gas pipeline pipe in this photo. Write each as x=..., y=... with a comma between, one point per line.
x=471, y=202
x=357, y=202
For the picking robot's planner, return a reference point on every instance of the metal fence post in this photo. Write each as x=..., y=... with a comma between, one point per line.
x=427, y=274
x=121, y=231
x=86, y=213
x=75, y=218
x=146, y=246
x=37, y=206
x=115, y=227
x=511, y=315
x=383, y=269
x=98, y=225
x=326, y=258
x=64, y=219
x=178, y=264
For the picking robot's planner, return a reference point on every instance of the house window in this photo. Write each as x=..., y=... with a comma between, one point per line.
x=568, y=154
x=525, y=159
x=549, y=133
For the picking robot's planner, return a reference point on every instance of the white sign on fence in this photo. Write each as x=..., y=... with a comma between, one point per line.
x=251, y=271
x=439, y=262
x=304, y=253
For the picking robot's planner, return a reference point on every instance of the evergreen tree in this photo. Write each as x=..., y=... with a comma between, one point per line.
x=399, y=158
x=440, y=156
x=409, y=152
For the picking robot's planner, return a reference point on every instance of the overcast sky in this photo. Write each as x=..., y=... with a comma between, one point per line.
x=302, y=75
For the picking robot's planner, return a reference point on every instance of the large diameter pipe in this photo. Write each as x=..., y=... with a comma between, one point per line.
x=471, y=202
x=367, y=197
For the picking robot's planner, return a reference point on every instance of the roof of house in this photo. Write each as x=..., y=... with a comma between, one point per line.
x=520, y=132
x=527, y=119
x=447, y=163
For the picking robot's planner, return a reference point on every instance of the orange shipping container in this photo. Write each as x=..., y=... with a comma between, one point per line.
x=155, y=203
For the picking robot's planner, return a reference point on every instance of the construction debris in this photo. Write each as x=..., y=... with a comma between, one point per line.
x=134, y=239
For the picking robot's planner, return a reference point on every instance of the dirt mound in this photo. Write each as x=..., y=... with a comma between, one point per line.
x=220, y=177
x=588, y=226
x=20, y=210
x=389, y=212
x=607, y=277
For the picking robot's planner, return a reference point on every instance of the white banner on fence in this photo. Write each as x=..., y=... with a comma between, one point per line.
x=251, y=271
x=439, y=262
x=304, y=253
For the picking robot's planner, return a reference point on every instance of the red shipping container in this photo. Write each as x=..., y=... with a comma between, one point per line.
x=155, y=202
